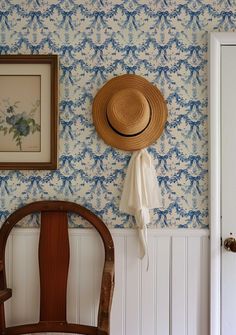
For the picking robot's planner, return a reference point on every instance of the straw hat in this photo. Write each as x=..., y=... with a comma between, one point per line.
x=129, y=113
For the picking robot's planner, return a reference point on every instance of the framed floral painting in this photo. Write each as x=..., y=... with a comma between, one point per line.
x=28, y=111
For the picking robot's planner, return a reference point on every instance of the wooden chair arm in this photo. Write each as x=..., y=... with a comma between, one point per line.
x=105, y=304
x=5, y=295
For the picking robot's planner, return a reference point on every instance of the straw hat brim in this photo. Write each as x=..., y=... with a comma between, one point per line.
x=157, y=105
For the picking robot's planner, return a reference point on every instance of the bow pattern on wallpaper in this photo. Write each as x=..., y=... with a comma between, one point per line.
x=164, y=41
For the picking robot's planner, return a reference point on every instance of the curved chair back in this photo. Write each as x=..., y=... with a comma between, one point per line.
x=53, y=269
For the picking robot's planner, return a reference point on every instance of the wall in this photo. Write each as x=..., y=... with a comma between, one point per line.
x=164, y=41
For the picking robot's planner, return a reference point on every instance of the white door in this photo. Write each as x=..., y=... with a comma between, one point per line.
x=228, y=188
x=222, y=177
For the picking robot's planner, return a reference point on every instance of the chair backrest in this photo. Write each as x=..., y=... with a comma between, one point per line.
x=53, y=269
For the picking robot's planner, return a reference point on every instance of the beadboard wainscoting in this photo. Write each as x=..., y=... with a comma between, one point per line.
x=171, y=298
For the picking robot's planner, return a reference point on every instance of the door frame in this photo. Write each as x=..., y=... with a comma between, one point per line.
x=216, y=40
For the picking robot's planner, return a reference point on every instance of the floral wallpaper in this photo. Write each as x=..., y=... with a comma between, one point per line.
x=164, y=41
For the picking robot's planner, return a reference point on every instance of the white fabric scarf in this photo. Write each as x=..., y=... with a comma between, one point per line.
x=140, y=193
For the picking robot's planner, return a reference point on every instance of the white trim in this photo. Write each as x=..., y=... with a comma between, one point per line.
x=181, y=232
x=216, y=40
x=214, y=181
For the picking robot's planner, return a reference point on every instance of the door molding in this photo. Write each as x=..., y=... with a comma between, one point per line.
x=216, y=40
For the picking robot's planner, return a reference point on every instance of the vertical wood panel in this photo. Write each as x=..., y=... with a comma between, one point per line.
x=162, y=278
x=179, y=297
x=98, y=260
x=86, y=287
x=118, y=305
x=170, y=299
x=25, y=279
x=148, y=297
x=132, y=274
x=73, y=312
x=194, y=286
x=205, y=286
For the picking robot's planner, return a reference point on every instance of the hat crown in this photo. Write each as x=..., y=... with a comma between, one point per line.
x=128, y=112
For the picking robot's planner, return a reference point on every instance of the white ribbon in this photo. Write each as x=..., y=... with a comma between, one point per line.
x=140, y=193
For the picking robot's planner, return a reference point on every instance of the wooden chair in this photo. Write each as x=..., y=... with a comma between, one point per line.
x=53, y=268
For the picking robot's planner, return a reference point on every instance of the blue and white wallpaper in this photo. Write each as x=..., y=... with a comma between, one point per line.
x=163, y=40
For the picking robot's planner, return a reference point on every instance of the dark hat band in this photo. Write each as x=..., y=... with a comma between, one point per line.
x=130, y=135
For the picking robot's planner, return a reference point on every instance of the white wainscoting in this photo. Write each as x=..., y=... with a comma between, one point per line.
x=171, y=298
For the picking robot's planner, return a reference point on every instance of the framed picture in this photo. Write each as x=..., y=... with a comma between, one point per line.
x=28, y=112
